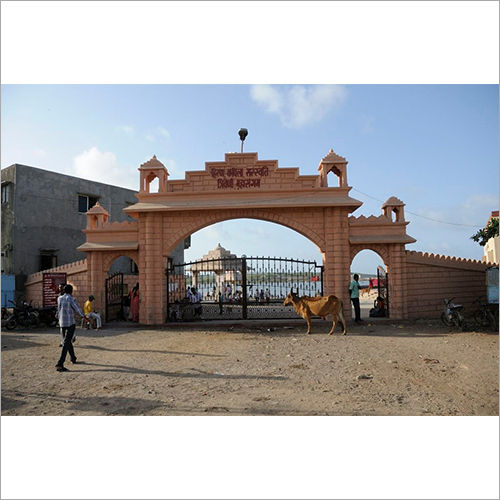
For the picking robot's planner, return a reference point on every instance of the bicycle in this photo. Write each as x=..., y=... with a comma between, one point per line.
x=483, y=316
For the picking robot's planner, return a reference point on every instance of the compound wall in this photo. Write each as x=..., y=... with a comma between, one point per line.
x=431, y=278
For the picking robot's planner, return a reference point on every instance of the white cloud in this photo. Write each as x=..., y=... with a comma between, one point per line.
x=473, y=211
x=127, y=130
x=149, y=135
x=367, y=124
x=158, y=132
x=298, y=106
x=103, y=167
x=163, y=132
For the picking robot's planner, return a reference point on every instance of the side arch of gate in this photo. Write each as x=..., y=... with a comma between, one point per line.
x=383, y=252
x=102, y=264
x=393, y=256
x=110, y=257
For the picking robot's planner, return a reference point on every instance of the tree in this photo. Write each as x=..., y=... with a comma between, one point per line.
x=490, y=231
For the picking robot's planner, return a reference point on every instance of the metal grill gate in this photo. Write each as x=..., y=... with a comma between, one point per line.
x=383, y=287
x=240, y=288
x=114, y=297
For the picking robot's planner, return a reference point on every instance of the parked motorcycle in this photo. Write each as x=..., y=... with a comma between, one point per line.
x=451, y=315
x=484, y=315
x=48, y=315
x=25, y=316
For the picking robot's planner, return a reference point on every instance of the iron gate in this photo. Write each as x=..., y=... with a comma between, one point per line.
x=383, y=287
x=114, y=297
x=240, y=288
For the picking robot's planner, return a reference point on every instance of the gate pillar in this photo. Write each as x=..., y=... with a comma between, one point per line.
x=397, y=274
x=336, y=257
x=96, y=279
x=151, y=272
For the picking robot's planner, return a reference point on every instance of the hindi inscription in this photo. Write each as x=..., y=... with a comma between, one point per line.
x=238, y=177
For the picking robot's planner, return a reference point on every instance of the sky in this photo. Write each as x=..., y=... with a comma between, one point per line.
x=433, y=146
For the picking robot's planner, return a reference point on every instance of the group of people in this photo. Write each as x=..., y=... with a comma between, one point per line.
x=262, y=296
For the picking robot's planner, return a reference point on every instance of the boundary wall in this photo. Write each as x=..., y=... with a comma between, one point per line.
x=430, y=278
x=77, y=275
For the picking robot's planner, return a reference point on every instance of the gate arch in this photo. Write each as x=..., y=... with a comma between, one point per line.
x=381, y=250
x=283, y=220
x=110, y=257
x=242, y=186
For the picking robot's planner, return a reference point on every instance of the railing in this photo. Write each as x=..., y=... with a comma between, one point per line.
x=114, y=297
x=241, y=287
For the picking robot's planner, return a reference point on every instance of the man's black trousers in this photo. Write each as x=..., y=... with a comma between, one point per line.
x=68, y=332
x=357, y=310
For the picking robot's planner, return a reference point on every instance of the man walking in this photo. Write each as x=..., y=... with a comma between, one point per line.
x=354, y=294
x=66, y=307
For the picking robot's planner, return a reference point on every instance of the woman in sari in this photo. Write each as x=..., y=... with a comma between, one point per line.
x=134, y=303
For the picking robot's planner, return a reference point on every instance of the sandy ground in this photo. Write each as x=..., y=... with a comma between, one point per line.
x=382, y=367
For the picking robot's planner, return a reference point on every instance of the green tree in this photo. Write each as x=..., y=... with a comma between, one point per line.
x=490, y=231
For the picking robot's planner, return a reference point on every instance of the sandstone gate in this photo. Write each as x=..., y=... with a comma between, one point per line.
x=242, y=186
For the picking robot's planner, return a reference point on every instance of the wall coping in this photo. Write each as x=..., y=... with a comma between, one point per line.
x=432, y=259
x=371, y=220
x=78, y=266
x=124, y=226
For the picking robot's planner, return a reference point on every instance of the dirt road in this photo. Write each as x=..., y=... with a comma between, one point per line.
x=379, y=368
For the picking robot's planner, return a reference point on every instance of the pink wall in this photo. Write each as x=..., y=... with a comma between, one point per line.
x=76, y=275
x=432, y=278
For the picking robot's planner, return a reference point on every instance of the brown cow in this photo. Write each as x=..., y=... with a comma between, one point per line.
x=316, y=306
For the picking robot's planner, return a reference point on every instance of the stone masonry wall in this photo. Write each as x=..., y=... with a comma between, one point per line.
x=77, y=276
x=243, y=171
x=431, y=278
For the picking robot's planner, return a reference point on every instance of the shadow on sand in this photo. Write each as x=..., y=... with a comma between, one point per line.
x=99, y=348
x=200, y=373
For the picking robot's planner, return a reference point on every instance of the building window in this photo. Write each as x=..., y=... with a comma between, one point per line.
x=85, y=203
x=5, y=193
x=48, y=260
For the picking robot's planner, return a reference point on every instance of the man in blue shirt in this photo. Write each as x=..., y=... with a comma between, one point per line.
x=66, y=307
x=354, y=294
